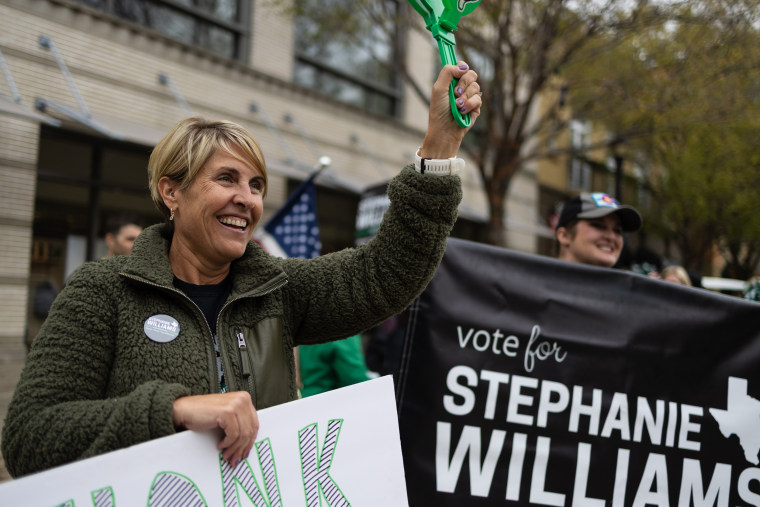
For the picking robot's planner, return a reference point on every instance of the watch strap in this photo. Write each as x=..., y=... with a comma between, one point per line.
x=438, y=166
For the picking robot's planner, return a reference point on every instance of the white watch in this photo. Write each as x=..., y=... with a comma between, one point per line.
x=438, y=166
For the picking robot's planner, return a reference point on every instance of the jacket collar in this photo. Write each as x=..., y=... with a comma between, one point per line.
x=149, y=260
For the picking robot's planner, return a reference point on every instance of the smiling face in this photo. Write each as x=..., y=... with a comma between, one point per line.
x=214, y=217
x=595, y=241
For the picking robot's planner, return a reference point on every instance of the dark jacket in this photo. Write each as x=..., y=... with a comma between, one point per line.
x=94, y=382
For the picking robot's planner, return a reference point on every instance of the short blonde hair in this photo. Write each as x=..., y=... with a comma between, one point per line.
x=182, y=152
x=678, y=272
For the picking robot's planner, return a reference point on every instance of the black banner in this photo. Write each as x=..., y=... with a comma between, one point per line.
x=531, y=381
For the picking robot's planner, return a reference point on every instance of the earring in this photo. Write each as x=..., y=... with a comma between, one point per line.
x=171, y=214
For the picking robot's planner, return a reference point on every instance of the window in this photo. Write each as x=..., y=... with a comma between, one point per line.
x=643, y=194
x=219, y=26
x=580, y=169
x=611, y=164
x=356, y=65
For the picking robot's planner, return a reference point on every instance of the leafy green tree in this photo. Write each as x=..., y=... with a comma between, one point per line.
x=690, y=109
x=710, y=193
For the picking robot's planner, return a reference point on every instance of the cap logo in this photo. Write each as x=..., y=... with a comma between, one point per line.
x=604, y=201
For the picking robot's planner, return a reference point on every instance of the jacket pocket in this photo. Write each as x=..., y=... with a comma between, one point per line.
x=271, y=363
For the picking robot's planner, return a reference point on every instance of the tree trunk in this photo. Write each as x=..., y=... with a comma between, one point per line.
x=496, y=205
x=506, y=161
x=697, y=248
x=496, y=191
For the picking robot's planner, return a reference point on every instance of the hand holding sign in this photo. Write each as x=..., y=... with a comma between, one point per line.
x=232, y=412
x=441, y=18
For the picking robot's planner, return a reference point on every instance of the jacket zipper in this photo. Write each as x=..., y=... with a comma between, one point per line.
x=245, y=361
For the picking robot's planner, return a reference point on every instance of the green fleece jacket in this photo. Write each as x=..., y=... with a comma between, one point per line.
x=94, y=382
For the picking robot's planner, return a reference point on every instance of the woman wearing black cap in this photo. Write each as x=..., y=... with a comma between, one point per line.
x=590, y=229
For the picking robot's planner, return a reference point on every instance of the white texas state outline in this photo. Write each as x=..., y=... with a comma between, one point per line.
x=741, y=418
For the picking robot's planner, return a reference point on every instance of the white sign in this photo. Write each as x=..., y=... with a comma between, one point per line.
x=336, y=449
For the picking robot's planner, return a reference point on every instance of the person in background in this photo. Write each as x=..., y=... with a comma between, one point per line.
x=332, y=365
x=121, y=231
x=590, y=229
x=675, y=274
x=195, y=329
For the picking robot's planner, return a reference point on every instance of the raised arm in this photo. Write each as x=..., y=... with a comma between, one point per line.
x=342, y=293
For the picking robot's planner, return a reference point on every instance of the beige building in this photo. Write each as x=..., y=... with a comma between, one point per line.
x=89, y=86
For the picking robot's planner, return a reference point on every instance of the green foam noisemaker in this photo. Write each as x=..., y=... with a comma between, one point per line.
x=441, y=18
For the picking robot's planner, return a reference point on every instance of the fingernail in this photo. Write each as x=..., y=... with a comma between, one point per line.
x=246, y=454
x=463, y=66
x=460, y=102
x=463, y=109
x=459, y=91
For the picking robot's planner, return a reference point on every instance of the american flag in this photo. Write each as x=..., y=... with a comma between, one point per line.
x=293, y=231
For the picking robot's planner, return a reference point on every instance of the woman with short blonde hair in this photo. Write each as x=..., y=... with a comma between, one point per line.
x=195, y=329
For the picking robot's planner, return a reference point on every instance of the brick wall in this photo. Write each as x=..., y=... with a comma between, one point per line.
x=18, y=160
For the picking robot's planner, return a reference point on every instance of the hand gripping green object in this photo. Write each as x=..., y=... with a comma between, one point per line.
x=441, y=18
